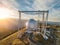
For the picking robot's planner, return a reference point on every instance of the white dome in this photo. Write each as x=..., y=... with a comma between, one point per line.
x=31, y=24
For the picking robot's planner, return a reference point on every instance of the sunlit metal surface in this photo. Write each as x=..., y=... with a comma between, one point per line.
x=31, y=24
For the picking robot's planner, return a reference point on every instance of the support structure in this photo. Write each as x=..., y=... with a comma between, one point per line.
x=44, y=22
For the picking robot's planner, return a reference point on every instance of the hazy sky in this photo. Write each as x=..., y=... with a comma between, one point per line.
x=23, y=5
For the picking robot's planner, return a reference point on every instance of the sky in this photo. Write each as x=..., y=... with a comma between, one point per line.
x=28, y=5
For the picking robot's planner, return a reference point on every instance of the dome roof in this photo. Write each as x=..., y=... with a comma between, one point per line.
x=32, y=20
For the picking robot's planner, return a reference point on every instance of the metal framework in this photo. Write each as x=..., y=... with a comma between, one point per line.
x=44, y=24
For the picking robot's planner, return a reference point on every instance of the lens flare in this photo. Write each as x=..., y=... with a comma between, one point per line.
x=4, y=13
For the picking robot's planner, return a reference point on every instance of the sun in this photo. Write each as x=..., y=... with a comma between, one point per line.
x=4, y=13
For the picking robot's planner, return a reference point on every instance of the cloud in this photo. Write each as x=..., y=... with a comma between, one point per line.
x=55, y=15
x=29, y=8
x=50, y=5
x=28, y=16
x=9, y=4
x=25, y=4
x=12, y=5
x=41, y=4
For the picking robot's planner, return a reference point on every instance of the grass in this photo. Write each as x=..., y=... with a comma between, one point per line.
x=7, y=33
x=11, y=39
x=8, y=40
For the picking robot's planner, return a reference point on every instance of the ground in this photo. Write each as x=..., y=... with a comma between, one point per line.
x=11, y=39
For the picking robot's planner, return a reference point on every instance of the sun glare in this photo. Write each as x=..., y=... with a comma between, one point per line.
x=4, y=13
